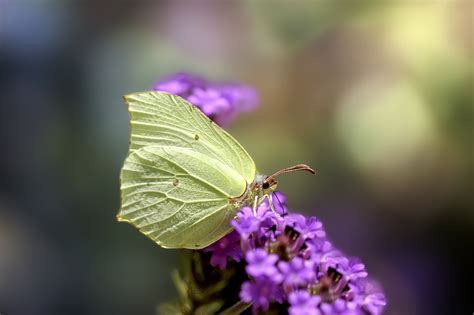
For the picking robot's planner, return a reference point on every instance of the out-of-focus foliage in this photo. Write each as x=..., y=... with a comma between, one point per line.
x=376, y=95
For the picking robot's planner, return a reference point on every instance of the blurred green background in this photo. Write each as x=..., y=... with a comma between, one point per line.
x=376, y=95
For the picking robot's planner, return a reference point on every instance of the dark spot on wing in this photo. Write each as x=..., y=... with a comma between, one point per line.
x=196, y=137
x=175, y=182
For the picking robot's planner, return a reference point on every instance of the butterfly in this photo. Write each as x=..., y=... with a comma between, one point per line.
x=185, y=177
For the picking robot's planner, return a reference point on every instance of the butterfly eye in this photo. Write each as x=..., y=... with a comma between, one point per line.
x=265, y=185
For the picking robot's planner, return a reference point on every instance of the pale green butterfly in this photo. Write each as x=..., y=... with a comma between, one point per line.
x=185, y=177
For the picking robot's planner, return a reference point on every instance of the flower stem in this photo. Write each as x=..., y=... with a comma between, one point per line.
x=236, y=309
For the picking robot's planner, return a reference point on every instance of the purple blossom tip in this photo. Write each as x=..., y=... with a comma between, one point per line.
x=303, y=303
x=297, y=273
x=246, y=224
x=260, y=263
x=220, y=102
x=261, y=292
x=228, y=246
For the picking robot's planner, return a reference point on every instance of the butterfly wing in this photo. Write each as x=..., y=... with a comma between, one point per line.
x=160, y=118
x=178, y=197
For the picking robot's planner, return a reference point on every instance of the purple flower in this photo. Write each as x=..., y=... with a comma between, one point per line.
x=180, y=84
x=356, y=269
x=374, y=303
x=210, y=101
x=302, y=303
x=261, y=263
x=220, y=102
x=315, y=277
x=361, y=302
x=314, y=228
x=279, y=201
x=246, y=224
x=243, y=96
x=261, y=292
x=228, y=246
x=309, y=228
x=298, y=272
x=331, y=258
x=317, y=249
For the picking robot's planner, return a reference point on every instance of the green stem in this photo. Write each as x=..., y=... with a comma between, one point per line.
x=236, y=309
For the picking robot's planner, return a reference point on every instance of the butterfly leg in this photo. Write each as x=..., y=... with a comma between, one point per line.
x=270, y=202
x=254, y=208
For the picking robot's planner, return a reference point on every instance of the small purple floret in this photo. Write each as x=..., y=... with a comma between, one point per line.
x=297, y=273
x=303, y=303
x=261, y=292
x=246, y=224
x=220, y=102
x=180, y=84
x=260, y=263
x=210, y=101
x=228, y=246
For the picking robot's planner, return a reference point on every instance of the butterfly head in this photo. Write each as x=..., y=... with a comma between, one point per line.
x=268, y=184
x=265, y=184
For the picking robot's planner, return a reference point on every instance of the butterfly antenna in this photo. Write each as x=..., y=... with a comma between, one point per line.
x=297, y=167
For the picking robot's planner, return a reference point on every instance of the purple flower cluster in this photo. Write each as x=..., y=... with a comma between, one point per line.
x=220, y=102
x=288, y=258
